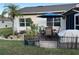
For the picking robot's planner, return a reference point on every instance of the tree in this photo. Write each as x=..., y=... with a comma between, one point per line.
x=11, y=11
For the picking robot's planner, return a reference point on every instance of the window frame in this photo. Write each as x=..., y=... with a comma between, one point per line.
x=53, y=21
x=49, y=21
x=76, y=24
x=57, y=21
x=22, y=22
x=25, y=22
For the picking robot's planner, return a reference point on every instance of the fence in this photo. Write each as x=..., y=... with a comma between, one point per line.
x=62, y=42
x=41, y=41
x=68, y=42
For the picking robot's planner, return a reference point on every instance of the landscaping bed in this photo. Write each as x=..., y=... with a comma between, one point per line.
x=5, y=32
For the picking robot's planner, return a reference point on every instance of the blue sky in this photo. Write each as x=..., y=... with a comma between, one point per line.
x=26, y=5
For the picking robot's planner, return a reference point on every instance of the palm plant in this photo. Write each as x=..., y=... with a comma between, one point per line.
x=11, y=11
x=33, y=30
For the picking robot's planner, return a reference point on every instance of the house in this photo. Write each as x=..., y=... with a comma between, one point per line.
x=5, y=22
x=68, y=20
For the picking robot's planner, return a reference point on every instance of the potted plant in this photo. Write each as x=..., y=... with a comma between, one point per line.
x=30, y=35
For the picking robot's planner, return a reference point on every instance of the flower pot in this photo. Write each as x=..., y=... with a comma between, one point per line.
x=29, y=40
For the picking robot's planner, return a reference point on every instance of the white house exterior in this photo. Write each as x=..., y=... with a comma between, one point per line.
x=41, y=22
x=66, y=22
x=36, y=20
x=5, y=23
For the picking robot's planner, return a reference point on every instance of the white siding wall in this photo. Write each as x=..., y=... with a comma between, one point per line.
x=3, y=25
x=38, y=21
x=63, y=24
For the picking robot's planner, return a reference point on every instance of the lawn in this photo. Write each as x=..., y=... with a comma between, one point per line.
x=18, y=48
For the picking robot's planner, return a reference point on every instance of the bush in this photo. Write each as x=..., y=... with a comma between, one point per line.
x=22, y=32
x=32, y=33
x=5, y=32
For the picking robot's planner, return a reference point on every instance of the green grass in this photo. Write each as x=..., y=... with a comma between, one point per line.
x=17, y=48
x=5, y=31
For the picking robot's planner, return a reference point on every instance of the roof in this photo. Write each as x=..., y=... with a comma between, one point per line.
x=50, y=15
x=47, y=9
x=5, y=19
x=73, y=10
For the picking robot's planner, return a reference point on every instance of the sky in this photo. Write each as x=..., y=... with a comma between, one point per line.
x=21, y=5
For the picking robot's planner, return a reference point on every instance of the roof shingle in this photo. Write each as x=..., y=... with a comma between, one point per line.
x=45, y=9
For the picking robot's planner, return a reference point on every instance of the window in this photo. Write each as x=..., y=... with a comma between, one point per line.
x=56, y=21
x=22, y=22
x=49, y=21
x=77, y=22
x=25, y=22
x=28, y=21
x=53, y=21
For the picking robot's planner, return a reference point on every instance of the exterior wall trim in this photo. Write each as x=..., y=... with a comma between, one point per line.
x=77, y=14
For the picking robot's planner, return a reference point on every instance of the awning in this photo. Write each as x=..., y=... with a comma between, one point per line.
x=50, y=15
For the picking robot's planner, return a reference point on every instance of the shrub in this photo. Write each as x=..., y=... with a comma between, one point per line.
x=22, y=32
x=33, y=32
x=5, y=31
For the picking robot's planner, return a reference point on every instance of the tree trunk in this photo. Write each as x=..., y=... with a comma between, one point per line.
x=13, y=32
